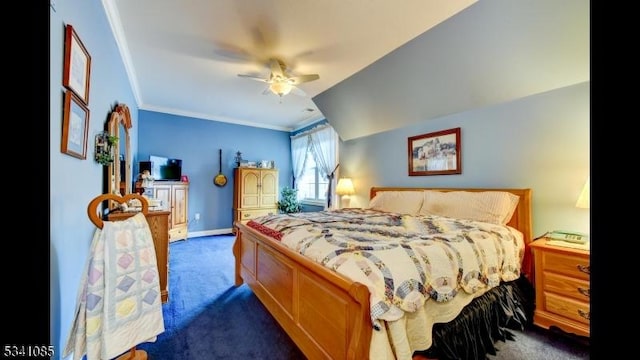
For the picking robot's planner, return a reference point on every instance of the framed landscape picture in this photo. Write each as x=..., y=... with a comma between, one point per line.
x=436, y=153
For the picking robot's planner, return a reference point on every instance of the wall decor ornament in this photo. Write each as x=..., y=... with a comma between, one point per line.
x=77, y=65
x=75, y=126
x=104, y=147
x=436, y=153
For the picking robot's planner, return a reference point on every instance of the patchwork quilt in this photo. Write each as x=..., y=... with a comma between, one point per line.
x=118, y=303
x=404, y=260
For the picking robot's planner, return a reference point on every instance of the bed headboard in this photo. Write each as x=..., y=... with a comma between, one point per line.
x=520, y=220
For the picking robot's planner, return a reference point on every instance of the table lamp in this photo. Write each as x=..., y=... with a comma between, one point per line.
x=583, y=199
x=345, y=190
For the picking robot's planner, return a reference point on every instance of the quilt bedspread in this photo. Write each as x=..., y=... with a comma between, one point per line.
x=118, y=302
x=404, y=260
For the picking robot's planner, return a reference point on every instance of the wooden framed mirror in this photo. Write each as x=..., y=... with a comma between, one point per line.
x=119, y=125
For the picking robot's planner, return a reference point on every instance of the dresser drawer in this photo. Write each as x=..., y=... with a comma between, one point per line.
x=178, y=233
x=567, y=308
x=567, y=286
x=569, y=265
x=246, y=215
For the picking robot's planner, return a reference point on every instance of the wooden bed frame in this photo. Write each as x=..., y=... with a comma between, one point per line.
x=297, y=291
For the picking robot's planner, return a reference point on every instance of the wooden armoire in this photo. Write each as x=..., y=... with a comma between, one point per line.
x=255, y=193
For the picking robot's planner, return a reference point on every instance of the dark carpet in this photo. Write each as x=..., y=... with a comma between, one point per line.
x=207, y=317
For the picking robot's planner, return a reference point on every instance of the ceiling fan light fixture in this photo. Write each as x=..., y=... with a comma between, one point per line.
x=280, y=88
x=280, y=82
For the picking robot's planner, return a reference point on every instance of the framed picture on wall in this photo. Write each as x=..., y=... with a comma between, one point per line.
x=77, y=65
x=436, y=153
x=75, y=126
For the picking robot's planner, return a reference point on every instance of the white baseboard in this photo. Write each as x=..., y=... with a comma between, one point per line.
x=192, y=234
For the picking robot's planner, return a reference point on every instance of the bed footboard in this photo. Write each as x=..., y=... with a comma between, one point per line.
x=324, y=313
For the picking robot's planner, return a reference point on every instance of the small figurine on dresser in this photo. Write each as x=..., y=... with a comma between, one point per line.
x=146, y=179
x=238, y=158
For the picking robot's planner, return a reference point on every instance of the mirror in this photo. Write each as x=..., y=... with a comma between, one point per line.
x=117, y=181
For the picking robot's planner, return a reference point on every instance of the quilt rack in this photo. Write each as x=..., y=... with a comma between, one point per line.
x=95, y=216
x=96, y=219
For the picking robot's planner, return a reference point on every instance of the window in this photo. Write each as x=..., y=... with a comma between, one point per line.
x=312, y=186
x=315, y=154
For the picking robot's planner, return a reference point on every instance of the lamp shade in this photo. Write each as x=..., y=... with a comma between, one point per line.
x=583, y=199
x=345, y=187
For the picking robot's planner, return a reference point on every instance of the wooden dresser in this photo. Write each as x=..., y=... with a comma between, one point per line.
x=255, y=193
x=562, y=285
x=175, y=198
x=159, y=224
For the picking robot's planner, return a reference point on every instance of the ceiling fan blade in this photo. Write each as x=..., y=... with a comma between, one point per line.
x=232, y=53
x=253, y=77
x=303, y=78
x=276, y=68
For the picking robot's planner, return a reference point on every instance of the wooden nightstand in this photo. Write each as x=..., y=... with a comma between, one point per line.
x=562, y=287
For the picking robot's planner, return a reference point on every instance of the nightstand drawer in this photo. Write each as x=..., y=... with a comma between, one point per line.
x=568, y=308
x=566, y=264
x=563, y=285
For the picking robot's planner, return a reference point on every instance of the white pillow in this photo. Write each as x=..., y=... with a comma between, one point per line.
x=403, y=202
x=495, y=207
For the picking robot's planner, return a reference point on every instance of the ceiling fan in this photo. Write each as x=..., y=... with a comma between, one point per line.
x=280, y=83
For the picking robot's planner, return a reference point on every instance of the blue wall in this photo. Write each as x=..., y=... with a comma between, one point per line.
x=539, y=142
x=197, y=142
x=74, y=182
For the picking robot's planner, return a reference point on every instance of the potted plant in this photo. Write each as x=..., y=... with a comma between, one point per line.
x=288, y=202
x=104, y=158
x=112, y=140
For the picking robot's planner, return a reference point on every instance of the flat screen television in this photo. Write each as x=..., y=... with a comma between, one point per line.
x=165, y=169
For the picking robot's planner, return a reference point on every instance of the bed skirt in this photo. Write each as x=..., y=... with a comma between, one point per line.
x=486, y=320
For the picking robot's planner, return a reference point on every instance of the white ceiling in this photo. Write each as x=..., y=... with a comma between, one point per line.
x=183, y=57
x=383, y=64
